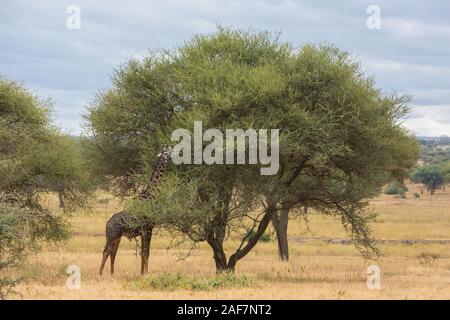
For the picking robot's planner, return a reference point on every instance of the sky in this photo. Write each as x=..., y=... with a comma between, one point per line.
x=43, y=46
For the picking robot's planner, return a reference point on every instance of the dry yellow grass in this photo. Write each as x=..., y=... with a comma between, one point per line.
x=316, y=270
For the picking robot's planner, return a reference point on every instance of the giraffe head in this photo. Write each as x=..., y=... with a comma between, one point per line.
x=166, y=153
x=168, y=149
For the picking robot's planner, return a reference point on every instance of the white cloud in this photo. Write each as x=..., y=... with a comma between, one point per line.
x=429, y=120
x=410, y=54
x=407, y=27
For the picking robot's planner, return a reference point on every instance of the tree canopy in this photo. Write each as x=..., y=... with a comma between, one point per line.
x=430, y=176
x=35, y=159
x=340, y=136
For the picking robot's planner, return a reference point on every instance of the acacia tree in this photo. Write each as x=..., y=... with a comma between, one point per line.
x=59, y=166
x=446, y=171
x=340, y=136
x=22, y=231
x=353, y=142
x=430, y=176
x=32, y=159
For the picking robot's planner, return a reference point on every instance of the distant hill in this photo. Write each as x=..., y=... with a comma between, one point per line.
x=435, y=150
x=434, y=141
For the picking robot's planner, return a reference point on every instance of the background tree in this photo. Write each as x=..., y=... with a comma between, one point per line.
x=34, y=159
x=22, y=231
x=60, y=167
x=446, y=173
x=431, y=177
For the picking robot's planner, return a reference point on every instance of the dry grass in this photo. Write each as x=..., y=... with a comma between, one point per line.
x=317, y=270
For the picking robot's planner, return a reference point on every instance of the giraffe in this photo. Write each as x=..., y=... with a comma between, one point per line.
x=125, y=224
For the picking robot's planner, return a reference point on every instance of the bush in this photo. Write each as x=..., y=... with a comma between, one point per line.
x=395, y=188
x=426, y=258
x=251, y=233
x=431, y=177
x=177, y=281
x=35, y=159
x=22, y=230
x=416, y=195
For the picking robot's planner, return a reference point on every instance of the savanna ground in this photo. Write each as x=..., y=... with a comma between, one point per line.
x=317, y=269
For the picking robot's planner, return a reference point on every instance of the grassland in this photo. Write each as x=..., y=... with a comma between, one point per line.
x=317, y=269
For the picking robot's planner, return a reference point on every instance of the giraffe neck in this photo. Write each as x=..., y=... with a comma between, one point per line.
x=156, y=176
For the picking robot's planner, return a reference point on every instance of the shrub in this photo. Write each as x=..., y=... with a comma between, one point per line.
x=22, y=230
x=430, y=176
x=177, y=281
x=427, y=257
x=395, y=188
x=266, y=237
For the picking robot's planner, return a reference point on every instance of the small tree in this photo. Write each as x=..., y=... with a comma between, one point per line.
x=395, y=188
x=32, y=160
x=22, y=230
x=430, y=176
x=59, y=166
x=446, y=172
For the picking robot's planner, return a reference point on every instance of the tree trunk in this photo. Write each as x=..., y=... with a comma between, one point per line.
x=61, y=200
x=217, y=229
x=30, y=194
x=280, y=223
x=216, y=238
x=219, y=257
x=242, y=252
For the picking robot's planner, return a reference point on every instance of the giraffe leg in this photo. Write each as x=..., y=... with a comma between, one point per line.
x=147, y=250
x=115, y=247
x=143, y=241
x=106, y=252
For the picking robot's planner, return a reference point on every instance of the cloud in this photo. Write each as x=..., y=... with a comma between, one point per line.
x=410, y=54
x=429, y=120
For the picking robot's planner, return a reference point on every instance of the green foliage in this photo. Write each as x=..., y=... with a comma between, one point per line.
x=430, y=176
x=22, y=230
x=446, y=172
x=265, y=237
x=178, y=281
x=435, y=150
x=125, y=122
x=34, y=159
x=436, y=153
x=395, y=188
x=178, y=208
x=60, y=167
x=340, y=136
